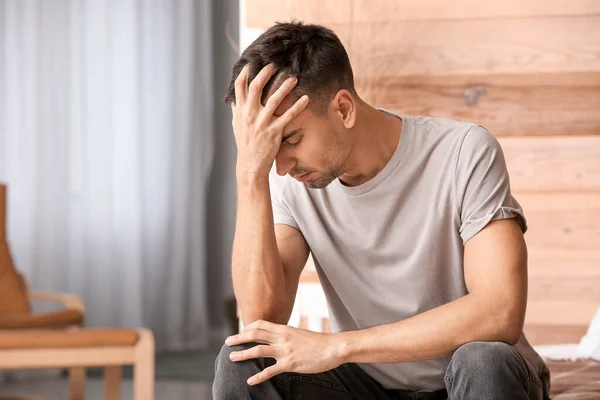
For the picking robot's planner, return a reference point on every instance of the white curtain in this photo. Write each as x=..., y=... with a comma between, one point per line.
x=106, y=145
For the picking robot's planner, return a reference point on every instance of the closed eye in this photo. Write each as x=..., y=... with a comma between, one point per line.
x=291, y=134
x=294, y=143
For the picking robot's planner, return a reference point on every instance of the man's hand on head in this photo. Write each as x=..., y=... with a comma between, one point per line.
x=257, y=131
x=295, y=350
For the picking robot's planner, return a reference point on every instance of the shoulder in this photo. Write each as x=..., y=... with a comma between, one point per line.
x=477, y=140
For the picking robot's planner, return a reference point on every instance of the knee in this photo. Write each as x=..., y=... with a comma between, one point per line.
x=223, y=362
x=488, y=370
x=230, y=377
x=483, y=359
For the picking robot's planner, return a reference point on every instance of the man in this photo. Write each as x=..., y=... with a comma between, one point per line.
x=415, y=235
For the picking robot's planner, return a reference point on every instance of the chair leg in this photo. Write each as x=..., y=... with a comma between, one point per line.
x=143, y=368
x=76, y=383
x=112, y=377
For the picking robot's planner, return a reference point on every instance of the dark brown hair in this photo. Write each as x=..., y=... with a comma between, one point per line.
x=312, y=53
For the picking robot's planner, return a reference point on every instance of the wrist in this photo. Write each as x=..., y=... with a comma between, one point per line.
x=341, y=345
x=251, y=179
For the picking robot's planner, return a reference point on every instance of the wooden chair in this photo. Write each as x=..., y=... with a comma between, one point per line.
x=57, y=339
x=78, y=349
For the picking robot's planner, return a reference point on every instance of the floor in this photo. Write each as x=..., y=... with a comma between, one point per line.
x=575, y=380
x=57, y=389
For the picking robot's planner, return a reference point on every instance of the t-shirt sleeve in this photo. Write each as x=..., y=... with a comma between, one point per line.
x=281, y=211
x=482, y=184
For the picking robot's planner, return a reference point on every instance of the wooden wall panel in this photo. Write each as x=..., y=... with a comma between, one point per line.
x=568, y=222
x=558, y=163
x=569, y=287
x=564, y=262
x=445, y=47
x=517, y=104
x=524, y=45
x=544, y=262
x=262, y=13
x=560, y=312
x=410, y=10
x=540, y=334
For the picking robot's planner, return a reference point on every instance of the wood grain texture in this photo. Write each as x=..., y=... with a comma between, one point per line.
x=540, y=334
x=558, y=163
x=548, y=262
x=407, y=10
x=264, y=13
x=567, y=222
x=565, y=288
x=520, y=45
x=508, y=105
x=564, y=257
x=560, y=312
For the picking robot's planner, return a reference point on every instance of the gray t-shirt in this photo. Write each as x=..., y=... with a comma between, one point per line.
x=393, y=247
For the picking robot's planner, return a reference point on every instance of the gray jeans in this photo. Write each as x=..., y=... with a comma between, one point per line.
x=477, y=370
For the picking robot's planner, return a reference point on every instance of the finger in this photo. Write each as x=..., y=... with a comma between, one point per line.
x=251, y=336
x=265, y=374
x=277, y=98
x=259, y=82
x=266, y=326
x=241, y=85
x=260, y=351
x=293, y=111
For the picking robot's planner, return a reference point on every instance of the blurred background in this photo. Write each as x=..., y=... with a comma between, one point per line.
x=119, y=159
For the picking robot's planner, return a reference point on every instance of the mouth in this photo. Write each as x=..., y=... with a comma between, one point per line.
x=302, y=178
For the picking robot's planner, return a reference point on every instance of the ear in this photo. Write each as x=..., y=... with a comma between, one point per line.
x=343, y=106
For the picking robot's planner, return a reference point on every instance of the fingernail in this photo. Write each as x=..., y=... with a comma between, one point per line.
x=232, y=356
x=292, y=79
x=250, y=381
x=304, y=98
x=227, y=340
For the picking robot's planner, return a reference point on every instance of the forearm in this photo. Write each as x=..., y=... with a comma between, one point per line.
x=434, y=334
x=257, y=272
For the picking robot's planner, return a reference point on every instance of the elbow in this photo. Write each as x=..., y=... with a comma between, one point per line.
x=510, y=327
x=500, y=319
x=510, y=336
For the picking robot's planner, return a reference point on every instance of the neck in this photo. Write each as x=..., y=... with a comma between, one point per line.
x=376, y=136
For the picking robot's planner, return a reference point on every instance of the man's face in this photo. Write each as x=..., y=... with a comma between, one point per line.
x=314, y=149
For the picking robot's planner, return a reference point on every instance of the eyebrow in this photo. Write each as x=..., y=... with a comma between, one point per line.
x=290, y=134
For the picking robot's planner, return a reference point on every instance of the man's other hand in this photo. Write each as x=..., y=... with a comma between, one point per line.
x=295, y=350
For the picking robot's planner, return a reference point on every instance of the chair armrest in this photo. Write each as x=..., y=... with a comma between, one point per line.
x=69, y=301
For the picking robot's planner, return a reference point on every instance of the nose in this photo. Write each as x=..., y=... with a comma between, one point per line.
x=283, y=164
